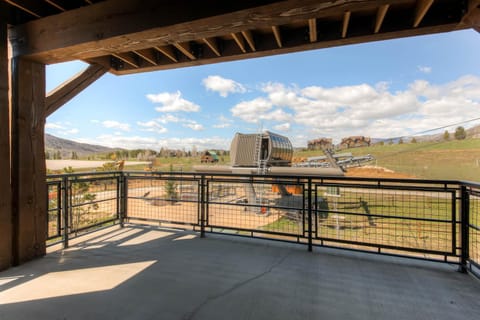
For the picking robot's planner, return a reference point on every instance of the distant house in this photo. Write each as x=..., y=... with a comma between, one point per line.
x=320, y=143
x=209, y=157
x=355, y=142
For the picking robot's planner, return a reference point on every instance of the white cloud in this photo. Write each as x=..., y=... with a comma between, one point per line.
x=193, y=125
x=53, y=125
x=223, y=86
x=424, y=69
x=172, y=102
x=168, y=118
x=249, y=110
x=223, y=122
x=363, y=109
x=116, y=125
x=152, y=126
x=284, y=127
x=139, y=142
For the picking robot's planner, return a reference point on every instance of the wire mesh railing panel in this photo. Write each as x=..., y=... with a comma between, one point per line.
x=92, y=201
x=256, y=205
x=474, y=229
x=404, y=219
x=174, y=199
x=54, y=221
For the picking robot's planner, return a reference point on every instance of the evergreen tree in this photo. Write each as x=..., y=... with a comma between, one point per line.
x=446, y=135
x=460, y=133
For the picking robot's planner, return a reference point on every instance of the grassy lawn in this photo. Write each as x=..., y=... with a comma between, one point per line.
x=454, y=159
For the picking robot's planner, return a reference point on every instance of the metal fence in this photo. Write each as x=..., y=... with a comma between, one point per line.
x=80, y=202
x=431, y=220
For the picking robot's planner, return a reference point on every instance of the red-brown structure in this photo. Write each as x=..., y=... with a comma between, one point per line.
x=320, y=144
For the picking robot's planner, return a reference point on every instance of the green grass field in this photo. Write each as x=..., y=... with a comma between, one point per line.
x=455, y=159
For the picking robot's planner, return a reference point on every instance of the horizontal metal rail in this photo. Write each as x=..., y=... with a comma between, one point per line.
x=436, y=220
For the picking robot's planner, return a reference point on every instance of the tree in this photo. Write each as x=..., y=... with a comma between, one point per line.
x=170, y=188
x=82, y=203
x=400, y=141
x=446, y=135
x=460, y=133
x=413, y=140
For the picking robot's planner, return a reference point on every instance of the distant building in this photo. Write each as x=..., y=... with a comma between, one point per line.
x=355, y=142
x=320, y=143
x=209, y=157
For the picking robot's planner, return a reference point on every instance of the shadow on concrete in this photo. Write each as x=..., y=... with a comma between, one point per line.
x=144, y=272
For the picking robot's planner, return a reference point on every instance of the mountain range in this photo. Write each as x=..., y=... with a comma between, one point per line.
x=67, y=147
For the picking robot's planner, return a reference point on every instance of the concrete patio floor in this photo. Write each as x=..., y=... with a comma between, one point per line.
x=143, y=272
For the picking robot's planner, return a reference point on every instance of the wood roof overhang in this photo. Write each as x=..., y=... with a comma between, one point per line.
x=136, y=36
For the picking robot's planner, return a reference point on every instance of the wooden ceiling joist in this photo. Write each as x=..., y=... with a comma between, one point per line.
x=127, y=58
x=85, y=33
x=239, y=41
x=249, y=37
x=277, y=35
x=421, y=10
x=168, y=52
x=382, y=11
x=185, y=49
x=312, y=29
x=55, y=4
x=346, y=21
x=212, y=44
x=28, y=7
x=69, y=89
x=147, y=55
x=127, y=38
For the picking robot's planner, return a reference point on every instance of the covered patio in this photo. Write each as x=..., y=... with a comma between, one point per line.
x=149, y=272
x=146, y=272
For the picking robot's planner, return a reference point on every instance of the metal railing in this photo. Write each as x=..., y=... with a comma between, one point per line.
x=422, y=219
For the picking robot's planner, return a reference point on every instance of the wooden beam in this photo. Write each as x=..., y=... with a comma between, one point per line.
x=127, y=58
x=249, y=37
x=29, y=201
x=212, y=44
x=278, y=36
x=147, y=55
x=312, y=29
x=472, y=17
x=421, y=10
x=346, y=21
x=185, y=49
x=69, y=89
x=6, y=198
x=382, y=11
x=239, y=41
x=102, y=28
x=168, y=52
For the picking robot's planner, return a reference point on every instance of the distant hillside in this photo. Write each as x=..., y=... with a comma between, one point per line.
x=66, y=147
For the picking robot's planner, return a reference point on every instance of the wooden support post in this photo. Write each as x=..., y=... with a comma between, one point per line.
x=29, y=190
x=5, y=198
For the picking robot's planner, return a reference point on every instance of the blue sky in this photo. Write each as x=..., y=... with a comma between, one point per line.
x=381, y=89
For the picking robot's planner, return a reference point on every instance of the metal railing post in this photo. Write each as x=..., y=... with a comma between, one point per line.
x=202, y=206
x=465, y=217
x=309, y=212
x=123, y=199
x=65, y=210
